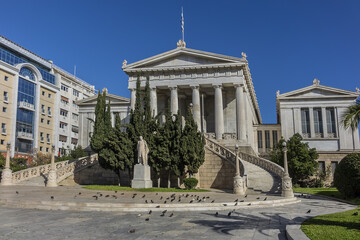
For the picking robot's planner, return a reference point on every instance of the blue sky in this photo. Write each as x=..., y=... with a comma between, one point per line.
x=288, y=43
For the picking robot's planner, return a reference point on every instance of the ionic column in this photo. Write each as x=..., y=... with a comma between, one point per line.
x=174, y=104
x=240, y=112
x=219, y=112
x=133, y=98
x=323, y=118
x=196, y=106
x=153, y=101
x=312, y=126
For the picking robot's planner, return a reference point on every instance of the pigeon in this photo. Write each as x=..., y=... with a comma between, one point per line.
x=157, y=194
x=143, y=196
x=133, y=196
x=229, y=214
x=161, y=198
x=100, y=194
x=139, y=215
x=212, y=201
x=171, y=215
x=115, y=191
x=265, y=199
x=236, y=204
x=225, y=204
x=52, y=197
x=122, y=193
x=241, y=200
x=147, y=219
x=258, y=198
x=146, y=201
x=107, y=196
x=309, y=211
x=113, y=196
x=17, y=192
x=199, y=200
x=152, y=201
x=191, y=201
x=172, y=200
x=355, y=214
x=246, y=195
x=132, y=231
x=158, y=206
x=96, y=197
x=150, y=211
x=164, y=211
x=217, y=213
x=236, y=200
x=79, y=193
x=163, y=214
x=164, y=202
x=249, y=204
x=179, y=200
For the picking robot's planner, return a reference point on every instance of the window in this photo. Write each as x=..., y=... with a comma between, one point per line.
x=41, y=148
x=76, y=93
x=63, y=125
x=74, y=105
x=2, y=141
x=49, y=95
x=48, y=138
x=63, y=101
x=49, y=111
x=305, y=122
x=275, y=137
x=42, y=109
x=318, y=126
x=63, y=113
x=48, y=122
x=4, y=109
x=260, y=143
x=75, y=117
x=42, y=120
x=6, y=78
x=333, y=167
x=267, y=139
x=47, y=149
x=6, y=97
x=321, y=166
x=43, y=93
x=41, y=137
x=3, y=128
x=330, y=122
x=64, y=88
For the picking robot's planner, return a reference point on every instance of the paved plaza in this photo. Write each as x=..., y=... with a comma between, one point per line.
x=251, y=223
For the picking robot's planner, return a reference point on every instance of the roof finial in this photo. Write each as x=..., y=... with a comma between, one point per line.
x=277, y=93
x=244, y=55
x=124, y=63
x=357, y=90
x=316, y=82
x=104, y=90
x=181, y=42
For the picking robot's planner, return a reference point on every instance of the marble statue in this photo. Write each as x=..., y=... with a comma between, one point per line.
x=143, y=151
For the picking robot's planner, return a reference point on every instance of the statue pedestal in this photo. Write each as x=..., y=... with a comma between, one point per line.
x=142, y=177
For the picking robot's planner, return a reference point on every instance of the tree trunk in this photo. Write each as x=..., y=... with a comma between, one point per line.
x=169, y=182
x=158, y=182
x=178, y=182
x=119, y=178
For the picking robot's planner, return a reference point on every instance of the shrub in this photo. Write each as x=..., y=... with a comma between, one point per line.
x=347, y=175
x=190, y=183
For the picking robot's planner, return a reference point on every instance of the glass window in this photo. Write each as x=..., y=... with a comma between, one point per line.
x=333, y=167
x=43, y=93
x=260, y=142
x=4, y=109
x=74, y=104
x=49, y=111
x=76, y=93
x=47, y=149
x=63, y=113
x=2, y=142
x=26, y=72
x=275, y=137
x=267, y=139
x=318, y=127
x=305, y=121
x=330, y=120
x=42, y=120
x=64, y=88
x=321, y=166
x=43, y=109
x=49, y=95
x=48, y=122
x=41, y=148
x=6, y=78
x=6, y=97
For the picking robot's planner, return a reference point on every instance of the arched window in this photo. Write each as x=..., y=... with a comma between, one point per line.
x=26, y=72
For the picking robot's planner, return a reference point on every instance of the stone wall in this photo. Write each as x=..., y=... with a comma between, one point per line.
x=328, y=158
x=216, y=172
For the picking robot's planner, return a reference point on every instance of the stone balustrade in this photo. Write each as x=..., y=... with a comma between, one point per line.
x=75, y=166
x=263, y=163
x=225, y=153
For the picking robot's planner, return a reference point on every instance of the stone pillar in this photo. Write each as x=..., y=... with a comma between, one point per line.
x=51, y=181
x=196, y=106
x=287, y=190
x=219, y=113
x=323, y=118
x=240, y=112
x=202, y=114
x=238, y=180
x=174, y=102
x=312, y=126
x=6, y=176
x=153, y=101
x=132, y=98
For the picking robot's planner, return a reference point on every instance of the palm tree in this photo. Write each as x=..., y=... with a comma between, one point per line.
x=351, y=117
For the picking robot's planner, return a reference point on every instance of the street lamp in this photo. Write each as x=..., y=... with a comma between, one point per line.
x=6, y=176
x=237, y=160
x=287, y=190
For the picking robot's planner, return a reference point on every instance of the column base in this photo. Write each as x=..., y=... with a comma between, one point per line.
x=239, y=188
x=51, y=181
x=6, y=177
x=287, y=190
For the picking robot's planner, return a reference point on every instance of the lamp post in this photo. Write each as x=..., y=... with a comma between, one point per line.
x=6, y=176
x=287, y=190
x=51, y=181
x=238, y=180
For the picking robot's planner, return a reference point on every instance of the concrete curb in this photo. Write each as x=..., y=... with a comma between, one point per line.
x=129, y=207
x=328, y=197
x=293, y=232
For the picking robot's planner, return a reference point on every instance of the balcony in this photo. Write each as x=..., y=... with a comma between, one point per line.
x=74, y=135
x=63, y=118
x=25, y=135
x=27, y=106
x=63, y=131
x=64, y=106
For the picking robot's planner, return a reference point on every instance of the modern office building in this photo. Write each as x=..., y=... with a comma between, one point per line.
x=31, y=93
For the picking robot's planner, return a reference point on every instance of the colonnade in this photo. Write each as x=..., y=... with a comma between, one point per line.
x=196, y=109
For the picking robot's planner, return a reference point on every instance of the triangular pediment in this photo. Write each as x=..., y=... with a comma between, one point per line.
x=113, y=99
x=318, y=91
x=183, y=57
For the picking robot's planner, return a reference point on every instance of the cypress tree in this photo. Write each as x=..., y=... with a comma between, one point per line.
x=147, y=112
x=192, y=145
x=96, y=142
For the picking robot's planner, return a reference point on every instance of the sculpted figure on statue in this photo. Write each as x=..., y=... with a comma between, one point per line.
x=143, y=151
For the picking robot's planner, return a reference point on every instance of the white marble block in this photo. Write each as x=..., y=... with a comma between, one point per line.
x=142, y=177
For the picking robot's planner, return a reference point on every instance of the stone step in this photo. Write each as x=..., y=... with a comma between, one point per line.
x=36, y=181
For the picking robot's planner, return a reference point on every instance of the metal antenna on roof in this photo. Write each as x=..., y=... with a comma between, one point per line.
x=182, y=24
x=75, y=71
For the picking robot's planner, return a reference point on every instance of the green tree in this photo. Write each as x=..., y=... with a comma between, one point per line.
x=351, y=118
x=96, y=141
x=192, y=145
x=78, y=152
x=301, y=159
x=347, y=175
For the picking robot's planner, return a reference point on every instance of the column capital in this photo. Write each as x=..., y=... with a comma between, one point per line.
x=173, y=87
x=217, y=86
x=236, y=85
x=194, y=86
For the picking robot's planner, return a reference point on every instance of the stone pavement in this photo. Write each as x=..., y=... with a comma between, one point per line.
x=252, y=223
